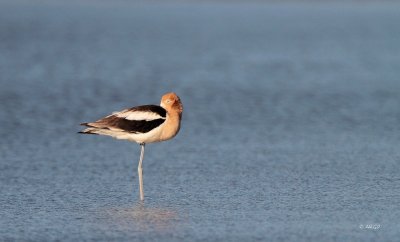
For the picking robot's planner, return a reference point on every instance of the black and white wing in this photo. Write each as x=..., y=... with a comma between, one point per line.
x=141, y=119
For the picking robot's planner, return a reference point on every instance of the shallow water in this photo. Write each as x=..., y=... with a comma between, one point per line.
x=290, y=129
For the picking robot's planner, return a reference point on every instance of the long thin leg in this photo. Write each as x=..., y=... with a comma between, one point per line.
x=140, y=172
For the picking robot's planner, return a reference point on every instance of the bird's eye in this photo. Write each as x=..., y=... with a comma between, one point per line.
x=168, y=100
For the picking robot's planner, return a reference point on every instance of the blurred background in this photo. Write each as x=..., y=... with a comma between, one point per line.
x=290, y=128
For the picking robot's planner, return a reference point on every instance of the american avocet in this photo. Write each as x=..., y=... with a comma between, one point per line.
x=142, y=124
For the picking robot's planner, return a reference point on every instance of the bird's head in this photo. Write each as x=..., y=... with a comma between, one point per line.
x=171, y=101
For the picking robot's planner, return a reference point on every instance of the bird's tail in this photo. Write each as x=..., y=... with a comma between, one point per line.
x=88, y=131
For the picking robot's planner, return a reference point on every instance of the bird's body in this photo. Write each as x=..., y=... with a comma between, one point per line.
x=141, y=124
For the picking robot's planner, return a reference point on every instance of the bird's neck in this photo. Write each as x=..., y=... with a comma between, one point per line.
x=172, y=124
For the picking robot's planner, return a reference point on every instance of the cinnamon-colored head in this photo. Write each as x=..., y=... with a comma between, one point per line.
x=171, y=101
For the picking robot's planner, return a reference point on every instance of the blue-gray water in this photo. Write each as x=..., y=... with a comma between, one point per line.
x=290, y=129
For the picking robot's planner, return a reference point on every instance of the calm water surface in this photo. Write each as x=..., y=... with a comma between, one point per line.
x=290, y=129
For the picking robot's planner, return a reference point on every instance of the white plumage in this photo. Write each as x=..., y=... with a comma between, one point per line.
x=138, y=115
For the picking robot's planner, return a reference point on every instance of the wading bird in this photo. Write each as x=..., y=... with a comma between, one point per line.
x=142, y=124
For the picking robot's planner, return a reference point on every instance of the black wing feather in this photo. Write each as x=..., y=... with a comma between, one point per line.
x=134, y=126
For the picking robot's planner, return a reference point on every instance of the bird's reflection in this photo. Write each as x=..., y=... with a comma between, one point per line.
x=144, y=218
